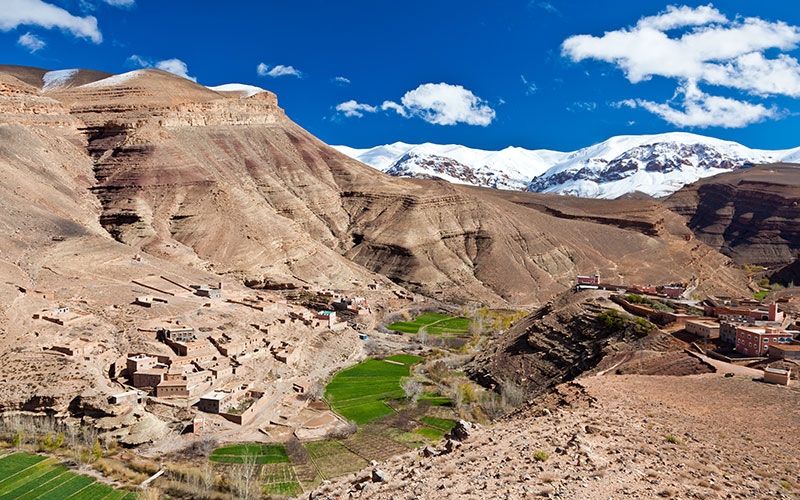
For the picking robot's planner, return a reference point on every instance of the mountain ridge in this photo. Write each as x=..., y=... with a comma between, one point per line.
x=656, y=164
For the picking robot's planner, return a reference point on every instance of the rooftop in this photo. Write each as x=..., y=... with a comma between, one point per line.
x=215, y=396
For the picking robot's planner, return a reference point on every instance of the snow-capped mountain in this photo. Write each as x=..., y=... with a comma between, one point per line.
x=653, y=164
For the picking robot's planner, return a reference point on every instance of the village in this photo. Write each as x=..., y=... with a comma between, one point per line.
x=747, y=332
x=247, y=364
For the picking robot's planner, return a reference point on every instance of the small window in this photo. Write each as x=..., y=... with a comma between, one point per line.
x=766, y=340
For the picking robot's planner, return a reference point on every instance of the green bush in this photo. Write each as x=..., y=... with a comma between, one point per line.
x=541, y=456
x=611, y=319
x=672, y=439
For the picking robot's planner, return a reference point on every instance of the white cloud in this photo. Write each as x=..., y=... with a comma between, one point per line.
x=177, y=67
x=443, y=104
x=437, y=103
x=341, y=81
x=715, y=51
x=276, y=71
x=38, y=13
x=530, y=87
x=393, y=106
x=120, y=3
x=174, y=66
x=352, y=108
x=708, y=48
x=702, y=110
x=31, y=42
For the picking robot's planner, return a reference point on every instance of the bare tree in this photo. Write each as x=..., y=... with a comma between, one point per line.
x=244, y=479
x=413, y=390
x=512, y=394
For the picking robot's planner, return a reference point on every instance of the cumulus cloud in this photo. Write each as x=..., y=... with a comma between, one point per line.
x=437, y=103
x=352, y=108
x=276, y=71
x=120, y=3
x=174, y=66
x=341, y=81
x=707, y=48
x=38, y=13
x=443, y=104
x=31, y=42
x=703, y=110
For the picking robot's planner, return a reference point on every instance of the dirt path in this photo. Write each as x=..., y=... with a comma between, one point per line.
x=723, y=367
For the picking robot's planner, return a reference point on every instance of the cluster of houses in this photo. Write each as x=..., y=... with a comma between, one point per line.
x=593, y=282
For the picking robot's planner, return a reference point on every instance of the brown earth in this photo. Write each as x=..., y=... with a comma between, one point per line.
x=564, y=339
x=629, y=436
x=748, y=214
x=232, y=185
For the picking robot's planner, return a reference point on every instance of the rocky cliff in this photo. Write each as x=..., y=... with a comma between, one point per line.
x=752, y=215
x=230, y=184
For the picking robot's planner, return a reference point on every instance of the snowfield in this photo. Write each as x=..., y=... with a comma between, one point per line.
x=656, y=165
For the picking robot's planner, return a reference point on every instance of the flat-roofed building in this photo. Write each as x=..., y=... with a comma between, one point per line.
x=777, y=376
x=215, y=402
x=757, y=341
x=148, y=378
x=704, y=329
x=791, y=351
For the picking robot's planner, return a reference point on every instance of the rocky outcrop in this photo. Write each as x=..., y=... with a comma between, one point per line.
x=557, y=343
x=752, y=215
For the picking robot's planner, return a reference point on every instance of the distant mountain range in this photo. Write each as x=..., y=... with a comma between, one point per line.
x=656, y=165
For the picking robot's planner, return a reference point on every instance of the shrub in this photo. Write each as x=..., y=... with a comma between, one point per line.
x=541, y=456
x=611, y=319
x=786, y=485
x=672, y=439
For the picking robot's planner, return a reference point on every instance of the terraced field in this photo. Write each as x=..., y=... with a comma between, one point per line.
x=440, y=325
x=359, y=392
x=33, y=477
x=250, y=453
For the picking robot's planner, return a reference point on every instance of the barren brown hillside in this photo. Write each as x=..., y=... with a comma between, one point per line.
x=232, y=185
x=749, y=214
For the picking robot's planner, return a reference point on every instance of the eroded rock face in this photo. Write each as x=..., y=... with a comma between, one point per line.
x=752, y=215
x=557, y=343
x=232, y=185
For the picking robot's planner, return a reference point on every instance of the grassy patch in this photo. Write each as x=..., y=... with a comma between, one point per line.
x=541, y=456
x=92, y=492
x=419, y=321
x=430, y=433
x=16, y=462
x=290, y=489
x=70, y=487
x=672, y=439
x=406, y=359
x=760, y=295
x=358, y=393
x=244, y=453
x=440, y=423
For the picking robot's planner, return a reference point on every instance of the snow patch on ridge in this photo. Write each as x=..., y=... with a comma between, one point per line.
x=116, y=79
x=58, y=78
x=247, y=90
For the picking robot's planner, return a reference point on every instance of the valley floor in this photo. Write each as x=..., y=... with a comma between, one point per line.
x=611, y=437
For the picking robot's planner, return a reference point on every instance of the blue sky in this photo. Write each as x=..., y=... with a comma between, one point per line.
x=515, y=72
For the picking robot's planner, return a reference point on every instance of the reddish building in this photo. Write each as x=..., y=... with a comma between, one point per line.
x=589, y=280
x=673, y=292
x=755, y=341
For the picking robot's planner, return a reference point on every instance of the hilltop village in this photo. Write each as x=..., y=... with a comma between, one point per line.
x=736, y=331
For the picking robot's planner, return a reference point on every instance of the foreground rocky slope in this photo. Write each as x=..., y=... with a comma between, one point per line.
x=751, y=215
x=562, y=340
x=231, y=185
x=613, y=437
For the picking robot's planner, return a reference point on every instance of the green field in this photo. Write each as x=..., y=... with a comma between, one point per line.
x=280, y=479
x=358, y=393
x=440, y=423
x=406, y=359
x=28, y=477
x=435, y=324
x=413, y=326
x=430, y=433
x=244, y=453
